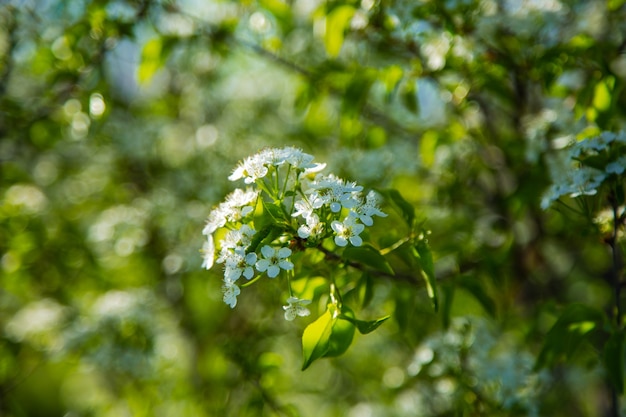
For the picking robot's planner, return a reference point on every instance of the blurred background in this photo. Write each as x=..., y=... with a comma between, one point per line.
x=121, y=120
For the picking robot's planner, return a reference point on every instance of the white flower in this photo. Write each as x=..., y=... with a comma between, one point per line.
x=236, y=206
x=217, y=219
x=336, y=192
x=370, y=208
x=274, y=261
x=240, y=198
x=239, y=204
x=208, y=253
x=617, y=167
x=349, y=230
x=577, y=182
x=298, y=159
x=296, y=307
x=231, y=291
x=251, y=169
x=313, y=227
x=238, y=264
x=309, y=172
x=239, y=238
x=305, y=208
x=585, y=181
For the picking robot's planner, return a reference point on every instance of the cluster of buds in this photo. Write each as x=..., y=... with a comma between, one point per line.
x=287, y=199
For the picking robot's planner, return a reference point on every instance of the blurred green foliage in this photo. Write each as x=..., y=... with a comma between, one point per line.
x=120, y=121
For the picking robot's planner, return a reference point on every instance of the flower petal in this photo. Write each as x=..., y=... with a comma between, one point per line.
x=267, y=251
x=262, y=265
x=286, y=265
x=273, y=271
x=284, y=252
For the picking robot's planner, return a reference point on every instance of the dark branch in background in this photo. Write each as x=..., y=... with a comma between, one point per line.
x=615, y=272
x=616, y=267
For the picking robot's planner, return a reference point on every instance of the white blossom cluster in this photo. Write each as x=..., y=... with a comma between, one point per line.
x=499, y=369
x=583, y=179
x=309, y=208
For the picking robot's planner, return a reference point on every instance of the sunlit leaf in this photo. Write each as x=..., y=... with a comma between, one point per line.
x=391, y=76
x=316, y=339
x=428, y=145
x=337, y=21
x=602, y=94
x=150, y=60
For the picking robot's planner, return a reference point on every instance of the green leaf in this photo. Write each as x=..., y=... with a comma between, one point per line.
x=409, y=97
x=366, y=285
x=150, y=60
x=258, y=238
x=473, y=286
x=363, y=326
x=316, y=338
x=341, y=335
x=337, y=21
x=390, y=77
x=405, y=208
x=603, y=94
x=328, y=336
x=424, y=256
x=614, y=360
x=574, y=326
x=356, y=93
x=405, y=307
x=265, y=236
x=274, y=210
x=595, y=161
x=368, y=255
